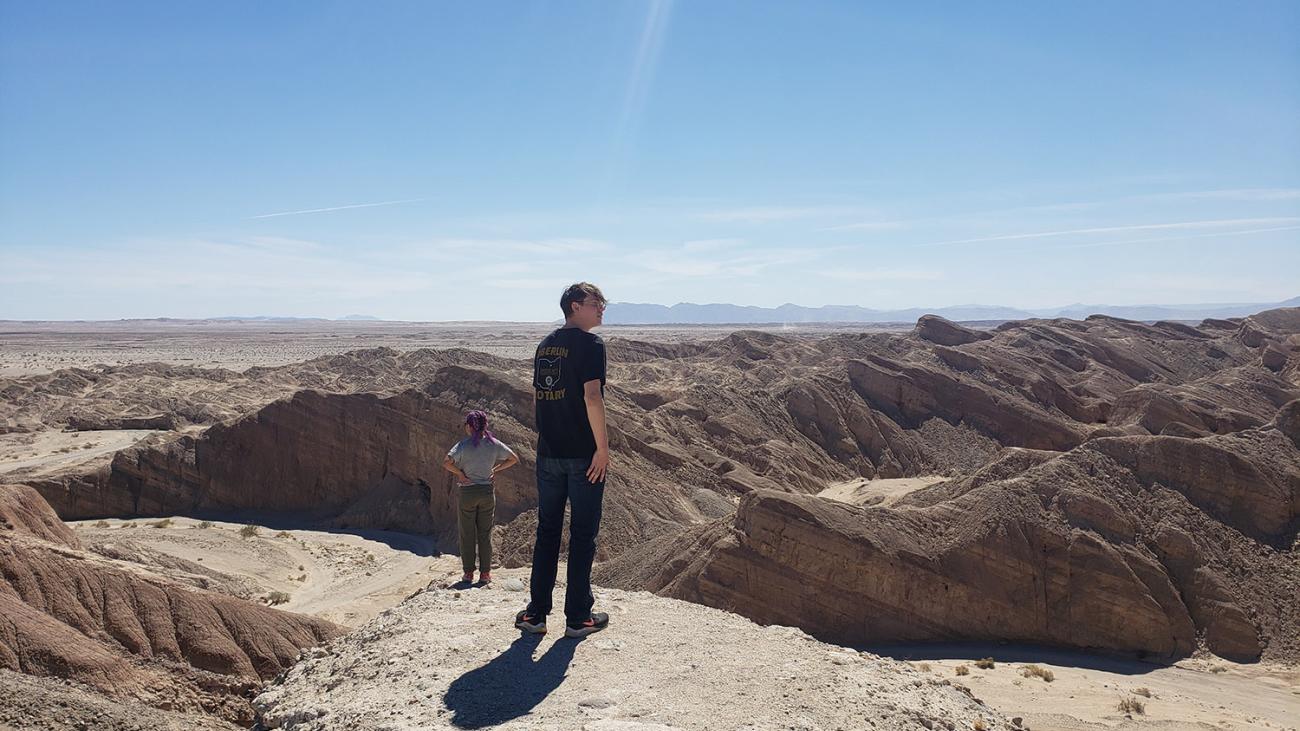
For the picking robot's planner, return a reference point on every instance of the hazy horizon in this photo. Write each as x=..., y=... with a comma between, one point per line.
x=425, y=162
x=1197, y=310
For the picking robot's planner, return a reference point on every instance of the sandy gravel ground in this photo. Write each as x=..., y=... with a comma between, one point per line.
x=44, y=452
x=883, y=492
x=347, y=578
x=451, y=658
x=1086, y=690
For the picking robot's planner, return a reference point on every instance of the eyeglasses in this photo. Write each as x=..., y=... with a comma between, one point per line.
x=598, y=305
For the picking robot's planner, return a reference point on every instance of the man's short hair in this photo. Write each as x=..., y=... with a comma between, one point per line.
x=579, y=292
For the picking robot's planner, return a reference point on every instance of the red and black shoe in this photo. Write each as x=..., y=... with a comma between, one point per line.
x=529, y=622
x=595, y=623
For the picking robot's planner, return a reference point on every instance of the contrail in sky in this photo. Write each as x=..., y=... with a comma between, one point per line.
x=1114, y=229
x=653, y=30
x=337, y=208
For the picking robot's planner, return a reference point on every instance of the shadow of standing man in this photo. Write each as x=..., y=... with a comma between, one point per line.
x=510, y=685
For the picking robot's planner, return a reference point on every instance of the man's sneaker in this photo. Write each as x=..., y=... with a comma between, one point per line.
x=529, y=622
x=595, y=623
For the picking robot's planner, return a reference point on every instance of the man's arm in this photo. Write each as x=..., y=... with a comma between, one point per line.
x=596, y=415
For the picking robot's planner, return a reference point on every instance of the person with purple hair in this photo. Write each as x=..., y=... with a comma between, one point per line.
x=475, y=460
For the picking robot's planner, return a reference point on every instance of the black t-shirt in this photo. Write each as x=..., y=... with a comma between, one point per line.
x=565, y=360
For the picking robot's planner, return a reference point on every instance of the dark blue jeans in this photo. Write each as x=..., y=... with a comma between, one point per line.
x=560, y=480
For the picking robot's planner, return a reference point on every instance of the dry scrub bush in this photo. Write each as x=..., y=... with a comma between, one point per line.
x=962, y=670
x=1132, y=705
x=164, y=523
x=101, y=524
x=1144, y=691
x=203, y=524
x=277, y=597
x=923, y=667
x=1218, y=669
x=980, y=725
x=284, y=534
x=248, y=531
x=985, y=663
x=1035, y=671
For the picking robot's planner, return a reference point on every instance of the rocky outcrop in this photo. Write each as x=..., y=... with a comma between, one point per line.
x=695, y=668
x=1138, y=544
x=23, y=510
x=945, y=332
x=914, y=394
x=162, y=422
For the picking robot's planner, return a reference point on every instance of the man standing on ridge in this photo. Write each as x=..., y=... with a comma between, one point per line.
x=572, y=455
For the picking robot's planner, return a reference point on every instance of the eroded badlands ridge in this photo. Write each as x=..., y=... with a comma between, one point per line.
x=74, y=615
x=1110, y=484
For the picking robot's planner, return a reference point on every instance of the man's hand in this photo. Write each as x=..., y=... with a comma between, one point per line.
x=599, y=463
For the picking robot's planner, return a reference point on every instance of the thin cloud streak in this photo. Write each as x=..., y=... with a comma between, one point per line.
x=1114, y=229
x=337, y=208
x=867, y=226
x=883, y=275
x=1178, y=238
x=765, y=214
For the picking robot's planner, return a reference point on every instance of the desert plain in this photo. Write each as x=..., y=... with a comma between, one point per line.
x=1041, y=524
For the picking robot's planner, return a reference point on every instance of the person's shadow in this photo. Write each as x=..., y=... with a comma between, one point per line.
x=510, y=685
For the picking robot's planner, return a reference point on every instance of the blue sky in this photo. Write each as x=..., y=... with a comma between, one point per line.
x=438, y=161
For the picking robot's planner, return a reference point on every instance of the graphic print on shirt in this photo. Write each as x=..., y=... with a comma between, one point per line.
x=548, y=373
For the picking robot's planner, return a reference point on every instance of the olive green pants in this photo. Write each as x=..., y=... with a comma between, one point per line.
x=477, y=505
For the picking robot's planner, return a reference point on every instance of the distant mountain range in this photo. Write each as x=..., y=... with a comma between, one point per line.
x=632, y=313
x=278, y=318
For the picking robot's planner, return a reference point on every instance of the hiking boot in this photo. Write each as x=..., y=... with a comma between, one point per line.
x=529, y=622
x=595, y=623
x=484, y=578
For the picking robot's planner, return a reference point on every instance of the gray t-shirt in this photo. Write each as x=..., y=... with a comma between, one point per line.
x=477, y=462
